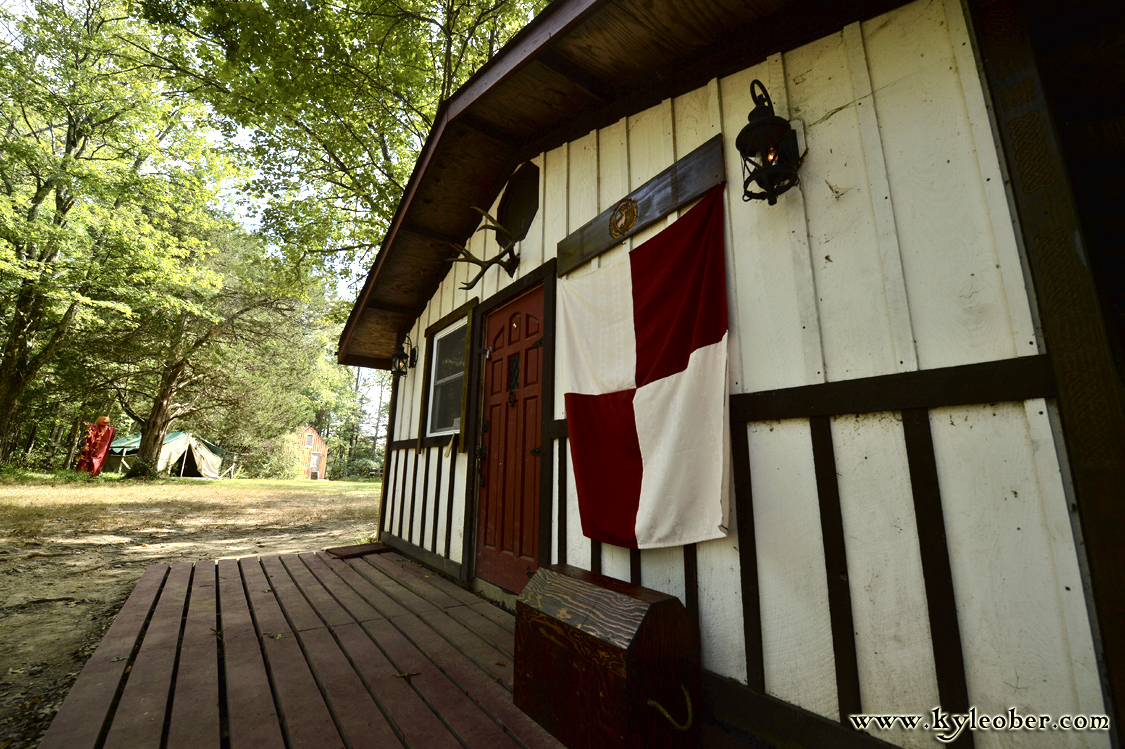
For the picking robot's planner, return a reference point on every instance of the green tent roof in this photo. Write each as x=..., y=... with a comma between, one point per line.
x=133, y=441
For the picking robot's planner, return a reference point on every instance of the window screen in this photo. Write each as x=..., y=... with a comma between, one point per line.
x=448, y=376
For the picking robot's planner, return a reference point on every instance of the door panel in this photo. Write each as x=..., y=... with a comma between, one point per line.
x=508, y=516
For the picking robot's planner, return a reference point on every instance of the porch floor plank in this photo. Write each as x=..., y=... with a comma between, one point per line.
x=460, y=712
x=195, y=705
x=87, y=707
x=253, y=719
x=495, y=614
x=144, y=702
x=296, y=651
x=392, y=586
x=422, y=587
x=484, y=654
x=487, y=630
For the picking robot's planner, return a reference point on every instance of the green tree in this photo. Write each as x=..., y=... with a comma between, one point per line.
x=338, y=99
x=214, y=346
x=98, y=161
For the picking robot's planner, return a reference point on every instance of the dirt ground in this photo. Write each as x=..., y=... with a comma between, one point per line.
x=70, y=554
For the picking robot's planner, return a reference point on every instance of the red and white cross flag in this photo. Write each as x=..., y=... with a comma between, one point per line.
x=643, y=368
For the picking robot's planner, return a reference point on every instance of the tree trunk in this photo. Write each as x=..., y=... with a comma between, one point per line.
x=18, y=366
x=31, y=439
x=155, y=426
x=72, y=450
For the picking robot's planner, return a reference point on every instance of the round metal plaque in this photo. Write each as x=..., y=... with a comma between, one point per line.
x=623, y=218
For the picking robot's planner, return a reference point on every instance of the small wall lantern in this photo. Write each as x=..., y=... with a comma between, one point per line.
x=399, y=359
x=768, y=147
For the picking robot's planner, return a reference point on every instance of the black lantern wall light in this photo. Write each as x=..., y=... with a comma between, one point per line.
x=768, y=147
x=400, y=360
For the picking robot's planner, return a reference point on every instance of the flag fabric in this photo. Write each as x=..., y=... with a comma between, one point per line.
x=643, y=369
x=96, y=448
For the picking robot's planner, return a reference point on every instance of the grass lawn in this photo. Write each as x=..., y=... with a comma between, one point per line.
x=71, y=550
x=35, y=504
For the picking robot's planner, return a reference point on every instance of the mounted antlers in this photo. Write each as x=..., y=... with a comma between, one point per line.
x=507, y=258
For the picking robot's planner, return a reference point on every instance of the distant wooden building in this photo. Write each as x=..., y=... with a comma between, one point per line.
x=314, y=454
x=926, y=399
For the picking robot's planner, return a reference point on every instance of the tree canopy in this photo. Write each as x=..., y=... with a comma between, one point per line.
x=134, y=133
x=337, y=99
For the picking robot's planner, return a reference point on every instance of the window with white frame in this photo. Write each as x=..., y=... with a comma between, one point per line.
x=447, y=379
x=308, y=440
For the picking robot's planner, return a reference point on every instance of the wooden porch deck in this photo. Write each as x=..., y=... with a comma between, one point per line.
x=300, y=650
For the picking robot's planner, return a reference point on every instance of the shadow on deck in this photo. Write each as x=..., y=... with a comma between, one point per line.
x=300, y=650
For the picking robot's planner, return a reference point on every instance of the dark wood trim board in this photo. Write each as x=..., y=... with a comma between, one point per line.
x=1016, y=379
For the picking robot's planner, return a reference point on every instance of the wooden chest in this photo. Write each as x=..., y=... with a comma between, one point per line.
x=602, y=663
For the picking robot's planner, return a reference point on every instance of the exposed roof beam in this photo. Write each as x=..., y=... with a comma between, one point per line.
x=578, y=75
x=488, y=130
x=429, y=235
x=398, y=309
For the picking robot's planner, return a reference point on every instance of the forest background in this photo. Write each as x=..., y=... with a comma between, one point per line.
x=191, y=190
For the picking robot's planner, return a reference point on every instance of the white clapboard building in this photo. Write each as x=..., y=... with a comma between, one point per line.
x=926, y=434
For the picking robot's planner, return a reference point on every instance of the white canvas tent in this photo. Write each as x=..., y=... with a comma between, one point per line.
x=185, y=453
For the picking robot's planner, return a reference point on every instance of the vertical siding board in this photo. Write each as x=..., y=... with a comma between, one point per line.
x=1005, y=534
x=955, y=280
x=414, y=376
x=577, y=545
x=895, y=654
x=390, y=460
x=651, y=149
x=1017, y=287
x=796, y=625
x=452, y=550
x=613, y=179
x=561, y=483
x=848, y=268
x=795, y=212
x=555, y=198
x=615, y=561
x=456, y=528
x=890, y=256
x=752, y=662
x=558, y=520
x=583, y=181
x=439, y=495
x=401, y=507
x=422, y=499
x=1075, y=612
x=445, y=502
x=486, y=247
x=765, y=282
x=533, y=252
x=555, y=178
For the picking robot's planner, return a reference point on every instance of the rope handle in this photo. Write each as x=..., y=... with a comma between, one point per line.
x=677, y=726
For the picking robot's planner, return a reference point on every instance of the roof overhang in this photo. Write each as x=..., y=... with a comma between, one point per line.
x=578, y=66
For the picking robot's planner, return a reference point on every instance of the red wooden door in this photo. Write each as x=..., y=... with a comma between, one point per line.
x=508, y=515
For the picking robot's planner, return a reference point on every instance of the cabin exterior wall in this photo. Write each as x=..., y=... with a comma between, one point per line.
x=897, y=253
x=306, y=450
